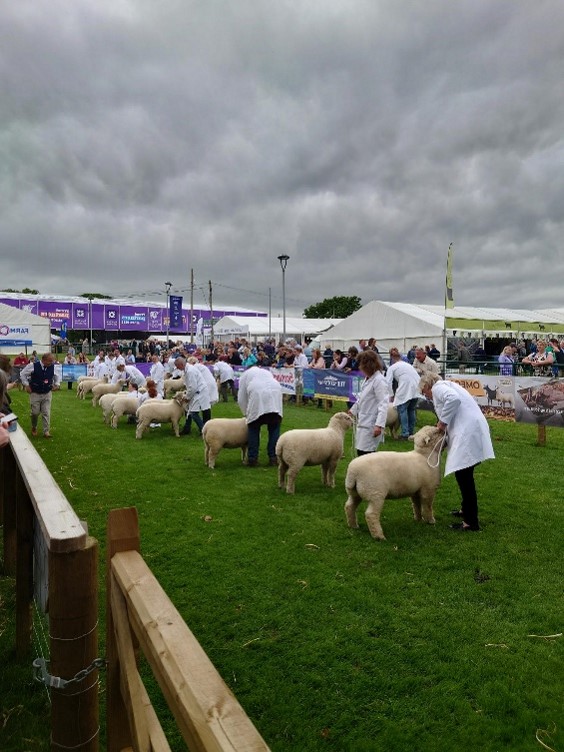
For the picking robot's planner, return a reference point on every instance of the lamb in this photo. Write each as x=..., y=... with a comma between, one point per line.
x=224, y=433
x=105, y=403
x=503, y=397
x=85, y=384
x=99, y=389
x=393, y=421
x=161, y=411
x=125, y=404
x=171, y=386
x=394, y=475
x=315, y=446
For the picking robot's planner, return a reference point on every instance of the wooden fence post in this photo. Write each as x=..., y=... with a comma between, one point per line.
x=73, y=627
x=541, y=434
x=8, y=482
x=24, y=568
x=122, y=535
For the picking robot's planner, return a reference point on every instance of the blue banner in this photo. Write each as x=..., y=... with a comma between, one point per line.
x=175, y=311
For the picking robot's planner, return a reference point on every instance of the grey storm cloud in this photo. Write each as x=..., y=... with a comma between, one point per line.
x=140, y=140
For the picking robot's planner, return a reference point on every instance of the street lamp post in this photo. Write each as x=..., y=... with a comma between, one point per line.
x=168, y=286
x=283, y=264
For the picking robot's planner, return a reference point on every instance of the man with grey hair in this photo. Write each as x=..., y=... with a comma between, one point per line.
x=423, y=364
x=39, y=379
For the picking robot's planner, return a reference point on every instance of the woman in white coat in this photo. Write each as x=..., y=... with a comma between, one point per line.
x=468, y=441
x=371, y=408
x=260, y=400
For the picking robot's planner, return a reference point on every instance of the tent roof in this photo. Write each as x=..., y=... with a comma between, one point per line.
x=259, y=326
x=40, y=328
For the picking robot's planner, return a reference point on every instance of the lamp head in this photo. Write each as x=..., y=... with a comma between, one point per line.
x=284, y=258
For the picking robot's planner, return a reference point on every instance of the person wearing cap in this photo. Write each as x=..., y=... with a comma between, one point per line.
x=39, y=380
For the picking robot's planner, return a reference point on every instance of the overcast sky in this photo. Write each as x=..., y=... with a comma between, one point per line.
x=142, y=138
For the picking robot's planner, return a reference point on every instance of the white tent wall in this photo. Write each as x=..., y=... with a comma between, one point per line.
x=254, y=328
x=391, y=324
x=40, y=330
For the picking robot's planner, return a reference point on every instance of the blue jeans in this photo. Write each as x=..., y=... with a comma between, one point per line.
x=272, y=421
x=407, y=415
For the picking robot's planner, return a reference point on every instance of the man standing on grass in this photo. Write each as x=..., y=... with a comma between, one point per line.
x=39, y=379
x=260, y=400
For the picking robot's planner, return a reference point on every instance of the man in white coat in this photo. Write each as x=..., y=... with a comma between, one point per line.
x=225, y=375
x=157, y=373
x=406, y=394
x=260, y=400
x=468, y=441
x=197, y=393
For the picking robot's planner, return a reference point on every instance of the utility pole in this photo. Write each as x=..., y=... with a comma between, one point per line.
x=211, y=311
x=191, y=305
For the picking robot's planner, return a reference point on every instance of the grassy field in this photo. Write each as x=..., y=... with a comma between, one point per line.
x=332, y=641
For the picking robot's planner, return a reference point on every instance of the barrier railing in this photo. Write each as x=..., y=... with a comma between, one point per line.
x=139, y=612
x=44, y=540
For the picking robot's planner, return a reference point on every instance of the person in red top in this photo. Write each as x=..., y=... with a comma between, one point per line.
x=21, y=360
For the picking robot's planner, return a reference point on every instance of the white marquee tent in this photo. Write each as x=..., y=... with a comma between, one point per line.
x=21, y=331
x=405, y=324
x=253, y=327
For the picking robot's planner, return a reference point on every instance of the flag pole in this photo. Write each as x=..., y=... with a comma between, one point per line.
x=449, y=301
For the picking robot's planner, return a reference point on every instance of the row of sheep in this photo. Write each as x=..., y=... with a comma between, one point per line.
x=372, y=477
x=116, y=403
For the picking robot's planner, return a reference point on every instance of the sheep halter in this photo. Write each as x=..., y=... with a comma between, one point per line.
x=440, y=443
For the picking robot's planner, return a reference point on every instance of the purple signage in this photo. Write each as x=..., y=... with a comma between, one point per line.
x=175, y=311
x=111, y=317
x=156, y=320
x=80, y=316
x=133, y=318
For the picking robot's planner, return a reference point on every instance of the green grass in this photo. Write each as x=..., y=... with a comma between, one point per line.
x=332, y=641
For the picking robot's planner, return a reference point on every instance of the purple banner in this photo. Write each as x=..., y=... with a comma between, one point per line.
x=29, y=306
x=156, y=320
x=175, y=311
x=133, y=317
x=55, y=312
x=111, y=317
x=80, y=316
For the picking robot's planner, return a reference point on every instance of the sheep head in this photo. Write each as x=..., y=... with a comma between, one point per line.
x=181, y=399
x=426, y=439
x=341, y=421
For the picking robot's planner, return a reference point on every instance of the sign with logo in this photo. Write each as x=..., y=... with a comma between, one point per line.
x=111, y=317
x=15, y=335
x=175, y=311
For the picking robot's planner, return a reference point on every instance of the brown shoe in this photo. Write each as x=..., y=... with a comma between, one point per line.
x=47, y=435
x=34, y=431
x=273, y=461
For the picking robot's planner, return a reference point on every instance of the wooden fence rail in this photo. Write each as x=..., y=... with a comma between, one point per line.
x=31, y=500
x=139, y=613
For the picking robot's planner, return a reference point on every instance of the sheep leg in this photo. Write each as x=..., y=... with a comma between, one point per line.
x=282, y=470
x=416, y=504
x=351, y=506
x=329, y=469
x=291, y=479
x=141, y=428
x=212, y=456
x=244, y=452
x=175, y=427
x=372, y=516
x=427, y=507
x=114, y=420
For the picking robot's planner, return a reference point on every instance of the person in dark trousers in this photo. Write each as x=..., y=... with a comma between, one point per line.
x=39, y=380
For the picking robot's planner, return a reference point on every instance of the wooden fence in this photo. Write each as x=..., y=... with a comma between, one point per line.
x=33, y=506
x=139, y=613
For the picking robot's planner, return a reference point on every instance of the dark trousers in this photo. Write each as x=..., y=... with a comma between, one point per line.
x=465, y=480
x=272, y=421
x=200, y=422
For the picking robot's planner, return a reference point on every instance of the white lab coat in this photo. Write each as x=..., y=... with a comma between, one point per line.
x=157, y=373
x=371, y=410
x=259, y=394
x=223, y=371
x=468, y=433
x=407, y=379
x=210, y=382
x=196, y=390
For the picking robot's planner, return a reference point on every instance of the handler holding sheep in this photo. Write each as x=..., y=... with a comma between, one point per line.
x=371, y=408
x=260, y=400
x=469, y=441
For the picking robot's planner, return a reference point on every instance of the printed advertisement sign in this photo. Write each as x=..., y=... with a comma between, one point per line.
x=15, y=336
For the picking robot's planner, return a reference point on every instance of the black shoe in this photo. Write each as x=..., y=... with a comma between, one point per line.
x=462, y=528
x=456, y=512
x=186, y=431
x=252, y=463
x=273, y=461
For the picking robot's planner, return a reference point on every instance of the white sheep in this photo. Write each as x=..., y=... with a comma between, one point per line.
x=99, y=389
x=105, y=403
x=503, y=397
x=393, y=421
x=171, y=386
x=124, y=404
x=314, y=446
x=161, y=411
x=224, y=433
x=393, y=475
x=85, y=384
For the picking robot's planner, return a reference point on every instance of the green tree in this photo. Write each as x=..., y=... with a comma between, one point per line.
x=94, y=295
x=25, y=291
x=338, y=307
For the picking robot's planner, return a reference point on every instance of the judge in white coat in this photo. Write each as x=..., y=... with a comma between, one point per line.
x=260, y=400
x=371, y=408
x=407, y=392
x=157, y=373
x=468, y=441
x=198, y=394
